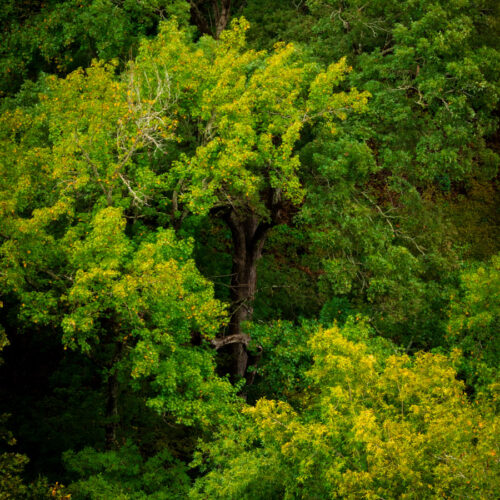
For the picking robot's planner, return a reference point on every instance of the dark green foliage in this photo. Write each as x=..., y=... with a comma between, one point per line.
x=282, y=359
x=11, y=466
x=58, y=36
x=125, y=474
x=436, y=62
x=337, y=310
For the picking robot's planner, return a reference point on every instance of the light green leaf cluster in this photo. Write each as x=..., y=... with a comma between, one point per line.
x=76, y=182
x=149, y=301
x=373, y=425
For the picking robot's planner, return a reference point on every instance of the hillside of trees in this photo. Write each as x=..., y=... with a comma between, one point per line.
x=249, y=249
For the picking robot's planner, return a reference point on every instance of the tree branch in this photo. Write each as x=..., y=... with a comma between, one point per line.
x=238, y=338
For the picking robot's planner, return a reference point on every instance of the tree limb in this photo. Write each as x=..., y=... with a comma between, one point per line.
x=237, y=338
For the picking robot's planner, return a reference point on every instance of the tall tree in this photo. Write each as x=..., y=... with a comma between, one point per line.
x=81, y=258
x=239, y=116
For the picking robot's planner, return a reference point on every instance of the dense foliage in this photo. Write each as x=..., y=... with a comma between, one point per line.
x=249, y=249
x=373, y=425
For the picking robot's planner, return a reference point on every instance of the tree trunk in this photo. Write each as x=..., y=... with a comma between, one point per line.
x=249, y=235
x=223, y=13
x=112, y=393
x=211, y=17
x=111, y=411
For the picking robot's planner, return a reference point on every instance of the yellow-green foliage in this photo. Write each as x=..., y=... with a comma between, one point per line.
x=73, y=185
x=188, y=127
x=240, y=113
x=372, y=426
x=99, y=173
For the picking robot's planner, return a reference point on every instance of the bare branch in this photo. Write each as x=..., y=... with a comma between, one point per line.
x=238, y=338
x=137, y=199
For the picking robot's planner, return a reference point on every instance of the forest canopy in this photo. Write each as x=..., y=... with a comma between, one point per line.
x=249, y=249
